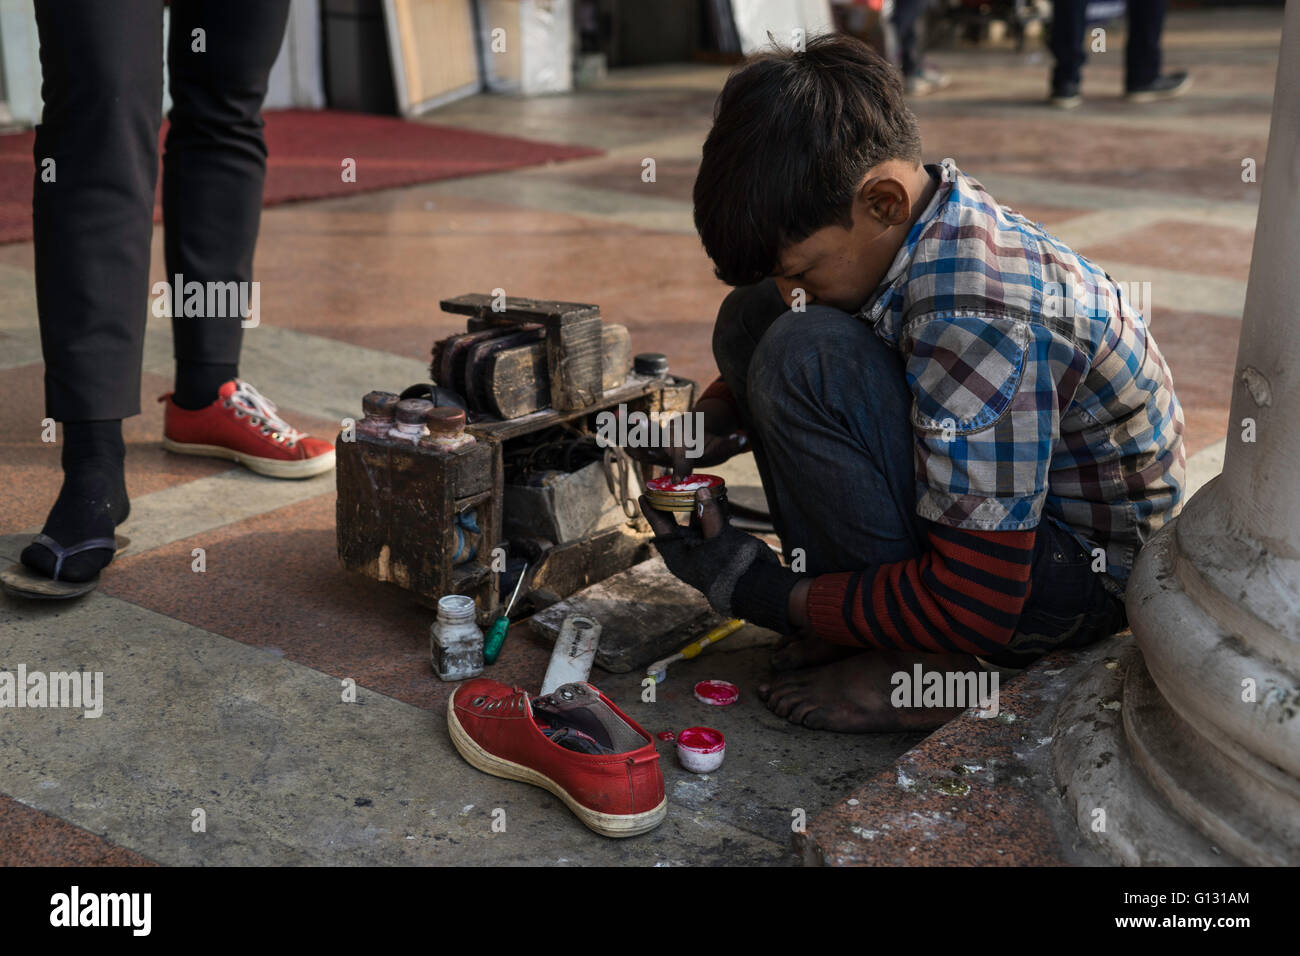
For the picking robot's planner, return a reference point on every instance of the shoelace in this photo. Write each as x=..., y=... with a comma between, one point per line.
x=501, y=704
x=259, y=406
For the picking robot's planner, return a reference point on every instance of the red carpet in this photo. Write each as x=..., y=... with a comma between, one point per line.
x=307, y=148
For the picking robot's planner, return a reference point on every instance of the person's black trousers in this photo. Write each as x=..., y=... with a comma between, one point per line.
x=101, y=66
x=1146, y=21
x=907, y=26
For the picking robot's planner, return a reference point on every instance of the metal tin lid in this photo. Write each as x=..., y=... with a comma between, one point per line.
x=445, y=421
x=717, y=693
x=379, y=404
x=650, y=363
x=412, y=411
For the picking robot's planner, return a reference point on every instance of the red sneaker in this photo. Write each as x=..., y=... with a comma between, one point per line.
x=573, y=742
x=242, y=425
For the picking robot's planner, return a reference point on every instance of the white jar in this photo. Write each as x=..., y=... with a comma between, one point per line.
x=455, y=641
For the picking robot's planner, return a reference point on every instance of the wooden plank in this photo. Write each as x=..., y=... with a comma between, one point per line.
x=363, y=508
x=450, y=356
x=474, y=381
x=516, y=381
x=571, y=567
x=396, y=511
x=636, y=387
x=517, y=309
x=616, y=342
x=574, y=360
x=573, y=340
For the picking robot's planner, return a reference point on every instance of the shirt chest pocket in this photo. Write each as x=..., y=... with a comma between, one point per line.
x=964, y=369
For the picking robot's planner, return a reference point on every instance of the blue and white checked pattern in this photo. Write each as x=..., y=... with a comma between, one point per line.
x=1038, y=389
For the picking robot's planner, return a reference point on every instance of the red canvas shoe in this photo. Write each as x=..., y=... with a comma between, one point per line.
x=242, y=425
x=573, y=742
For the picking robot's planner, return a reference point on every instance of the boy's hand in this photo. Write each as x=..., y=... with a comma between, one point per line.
x=739, y=574
x=718, y=440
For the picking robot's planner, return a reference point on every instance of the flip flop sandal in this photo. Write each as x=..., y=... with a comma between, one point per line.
x=21, y=581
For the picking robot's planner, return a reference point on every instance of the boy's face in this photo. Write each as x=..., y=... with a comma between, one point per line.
x=832, y=266
x=842, y=267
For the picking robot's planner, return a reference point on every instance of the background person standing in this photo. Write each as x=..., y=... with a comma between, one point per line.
x=1143, y=80
x=907, y=22
x=101, y=66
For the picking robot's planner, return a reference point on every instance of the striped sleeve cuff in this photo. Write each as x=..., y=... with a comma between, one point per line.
x=964, y=595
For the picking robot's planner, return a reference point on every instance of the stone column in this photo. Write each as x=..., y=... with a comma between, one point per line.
x=1213, y=719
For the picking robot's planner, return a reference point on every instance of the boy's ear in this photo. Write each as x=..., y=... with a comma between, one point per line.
x=886, y=200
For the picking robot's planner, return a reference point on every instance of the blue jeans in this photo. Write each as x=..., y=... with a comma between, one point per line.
x=827, y=408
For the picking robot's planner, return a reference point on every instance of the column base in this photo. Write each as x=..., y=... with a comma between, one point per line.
x=1200, y=767
x=1118, y=810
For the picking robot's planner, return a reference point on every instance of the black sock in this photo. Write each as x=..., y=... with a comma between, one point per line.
x=91, y=503
x=197, y=383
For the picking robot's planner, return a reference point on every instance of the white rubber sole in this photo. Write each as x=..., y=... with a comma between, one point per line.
x=271, y=467
x=606, y=824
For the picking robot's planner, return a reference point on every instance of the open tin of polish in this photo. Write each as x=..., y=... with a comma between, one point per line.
x=666, y=493
x=701, y=749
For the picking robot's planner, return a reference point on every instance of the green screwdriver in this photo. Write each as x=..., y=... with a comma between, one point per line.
x=496, y=637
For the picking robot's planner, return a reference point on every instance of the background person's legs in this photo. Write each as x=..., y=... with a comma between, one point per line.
x=1066, y=43
x=214, y=167
x=907, y=17
x=1146, y=21
x=101, y=68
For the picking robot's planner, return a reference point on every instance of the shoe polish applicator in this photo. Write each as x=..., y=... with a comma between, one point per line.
x=659, y=669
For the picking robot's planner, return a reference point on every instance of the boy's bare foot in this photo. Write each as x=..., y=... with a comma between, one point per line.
x=796, y=653
x=852, y=695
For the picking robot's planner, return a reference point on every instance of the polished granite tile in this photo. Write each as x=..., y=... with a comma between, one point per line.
x=274, y=581
x=32, y=467
x=30, y=837
x=1184, y=246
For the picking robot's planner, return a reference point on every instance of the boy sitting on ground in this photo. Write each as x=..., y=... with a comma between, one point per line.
x=962, y=427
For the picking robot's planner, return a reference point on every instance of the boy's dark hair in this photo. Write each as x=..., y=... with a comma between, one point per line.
x=794, y=133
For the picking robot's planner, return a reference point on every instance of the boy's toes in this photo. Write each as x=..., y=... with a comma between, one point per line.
x=818, y=718
x=782, y=696
x=802, y=712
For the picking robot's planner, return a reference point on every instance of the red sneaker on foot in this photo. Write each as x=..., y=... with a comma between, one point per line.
x=573, y=742
x=242, y=425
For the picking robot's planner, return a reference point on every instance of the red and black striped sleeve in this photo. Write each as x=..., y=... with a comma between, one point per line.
x=964, y=595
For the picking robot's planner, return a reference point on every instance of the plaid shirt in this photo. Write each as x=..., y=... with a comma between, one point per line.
x=1038, y=388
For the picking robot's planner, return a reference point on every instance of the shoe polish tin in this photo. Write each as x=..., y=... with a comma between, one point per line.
x=701, y=749
x=665, y=493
